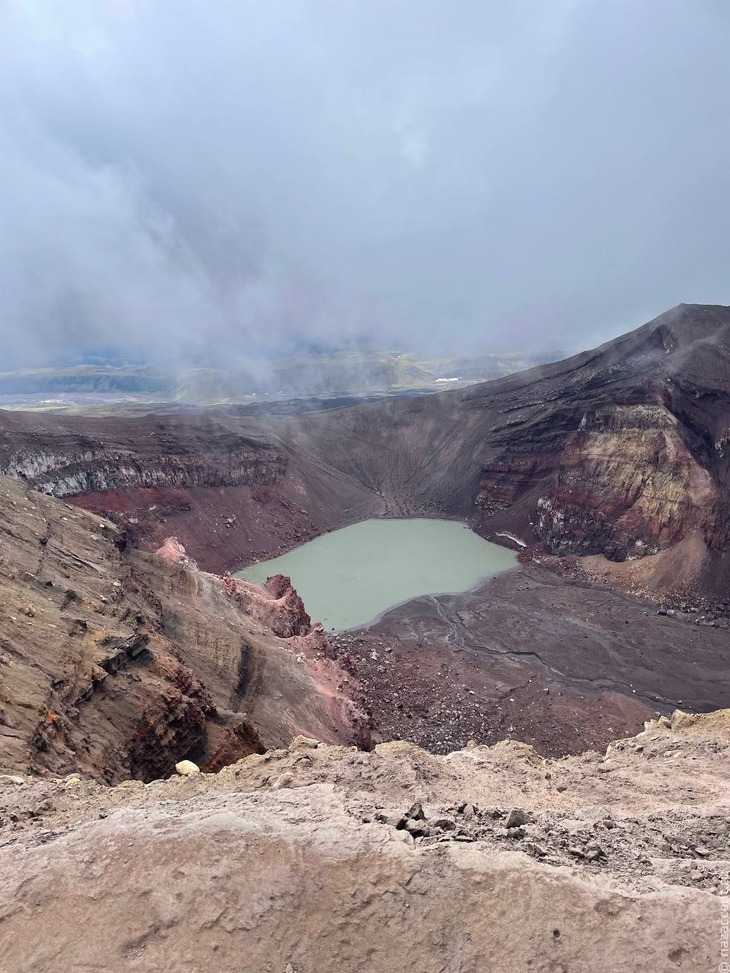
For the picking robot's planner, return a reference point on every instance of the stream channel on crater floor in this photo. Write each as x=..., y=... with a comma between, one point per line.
x=350, y=577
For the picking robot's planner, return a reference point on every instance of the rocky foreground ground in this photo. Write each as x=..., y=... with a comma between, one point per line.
x=325, y=859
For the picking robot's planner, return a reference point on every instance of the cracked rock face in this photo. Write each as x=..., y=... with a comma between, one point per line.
x=63, y=461
x=626, y=458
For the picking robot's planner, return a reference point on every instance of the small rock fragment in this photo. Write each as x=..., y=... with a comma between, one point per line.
x=594, y=851
x=443, y=824
x=416, y=828
x=516, y=818
x=392, y=819
x=186, y=768
x=303, y=743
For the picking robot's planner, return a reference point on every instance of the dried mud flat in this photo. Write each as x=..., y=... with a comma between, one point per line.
x=316, y=859
x=534, y=656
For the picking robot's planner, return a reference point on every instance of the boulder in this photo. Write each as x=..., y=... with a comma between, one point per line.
x=186, y=768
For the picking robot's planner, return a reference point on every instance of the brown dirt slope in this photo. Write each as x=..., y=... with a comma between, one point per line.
x=319, y=860
x=117, y=662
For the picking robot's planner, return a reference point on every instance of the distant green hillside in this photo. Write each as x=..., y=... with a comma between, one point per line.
x=85, y=378
x=341, y=373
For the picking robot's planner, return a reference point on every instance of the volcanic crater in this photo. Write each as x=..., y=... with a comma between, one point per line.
x=504, y=777
x=608, y=473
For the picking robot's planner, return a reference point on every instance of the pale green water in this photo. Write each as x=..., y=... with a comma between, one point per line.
x=351, y=576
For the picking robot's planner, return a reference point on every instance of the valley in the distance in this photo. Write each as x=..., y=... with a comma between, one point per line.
x=325, y=378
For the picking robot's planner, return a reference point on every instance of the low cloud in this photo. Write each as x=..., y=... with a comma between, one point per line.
x=207, y=181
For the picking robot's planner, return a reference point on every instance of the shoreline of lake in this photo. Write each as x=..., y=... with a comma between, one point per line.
x=350, y=578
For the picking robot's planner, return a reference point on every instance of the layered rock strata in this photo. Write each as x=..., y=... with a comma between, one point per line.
x=118, y=663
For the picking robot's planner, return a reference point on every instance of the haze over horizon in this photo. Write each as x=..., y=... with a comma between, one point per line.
x=197, y=181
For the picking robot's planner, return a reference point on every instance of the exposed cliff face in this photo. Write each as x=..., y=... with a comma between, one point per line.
x=118, y=663
x=624, y=485
x=628, y=457
x=62, y=460
x=275, y=603
x=221, y=484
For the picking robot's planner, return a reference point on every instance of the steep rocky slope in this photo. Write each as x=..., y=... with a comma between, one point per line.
x=62, y=462
x=223, y=485
x=641, y=465
x=118, y=663
x=328, y=860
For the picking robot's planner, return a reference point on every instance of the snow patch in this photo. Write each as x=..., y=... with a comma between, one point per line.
x=512, y=537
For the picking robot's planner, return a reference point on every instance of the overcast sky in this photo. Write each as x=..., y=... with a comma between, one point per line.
x=215, y=176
